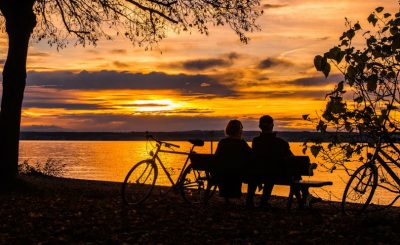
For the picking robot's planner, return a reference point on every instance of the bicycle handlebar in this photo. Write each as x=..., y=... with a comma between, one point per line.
x=166, y=144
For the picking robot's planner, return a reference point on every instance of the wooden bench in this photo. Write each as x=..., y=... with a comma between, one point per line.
x=290, y=168
x=295, y=167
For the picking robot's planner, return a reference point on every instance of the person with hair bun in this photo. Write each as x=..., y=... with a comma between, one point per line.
x=232, y=155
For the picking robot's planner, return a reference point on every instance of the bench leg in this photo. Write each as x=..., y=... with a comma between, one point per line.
x=306, y=194
x=290, y=198
x=295, y=191
x=207, y=194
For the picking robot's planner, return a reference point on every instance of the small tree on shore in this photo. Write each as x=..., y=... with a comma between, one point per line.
x=144, y=22
x=366, y=102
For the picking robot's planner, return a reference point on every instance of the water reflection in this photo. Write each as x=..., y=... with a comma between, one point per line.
x=111, y=160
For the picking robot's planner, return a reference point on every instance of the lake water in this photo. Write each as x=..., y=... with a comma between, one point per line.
x=111, y=160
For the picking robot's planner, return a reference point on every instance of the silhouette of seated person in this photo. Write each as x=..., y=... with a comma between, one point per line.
x=269, y=153
x=231, y=155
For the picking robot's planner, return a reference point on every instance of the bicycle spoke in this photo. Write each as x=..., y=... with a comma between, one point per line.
x=193, y=188
x=139, y=182
x=360, y=189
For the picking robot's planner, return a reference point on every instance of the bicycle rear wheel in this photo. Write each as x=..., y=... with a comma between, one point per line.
x=360, y=189
x=139, y=182
x=195, y=186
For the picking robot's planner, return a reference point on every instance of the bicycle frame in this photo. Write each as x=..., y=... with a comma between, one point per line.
x=385, y=165
x=156, y=159
x=370, y=170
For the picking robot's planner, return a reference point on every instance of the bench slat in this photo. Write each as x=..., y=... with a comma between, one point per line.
x=312, y=183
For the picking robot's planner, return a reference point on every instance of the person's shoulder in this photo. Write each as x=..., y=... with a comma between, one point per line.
x=224, y=140
x=244, y=142
x=281, y=141
x=257, y=139
x=221, y=140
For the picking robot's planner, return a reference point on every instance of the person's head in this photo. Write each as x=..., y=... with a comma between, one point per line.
x=234, y=129
x=266, y=123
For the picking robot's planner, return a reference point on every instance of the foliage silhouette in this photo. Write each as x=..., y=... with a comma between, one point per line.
x=50, y=167
x=366, y=102
x=144, y=22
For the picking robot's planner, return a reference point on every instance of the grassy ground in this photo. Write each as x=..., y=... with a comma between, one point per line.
x=56, y=210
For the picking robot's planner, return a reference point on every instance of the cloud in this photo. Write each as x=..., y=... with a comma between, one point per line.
x=38, y=54
x=190, y=85
x=118, y=51
x=91, y=51
x=323, y=38
x=193, y=111
x=315, y=81
x=155, y=123
x=273, y=62
x=198, y=111
x=119, y=122
x=233, y=55
x=60, y=105
x=274, y=6
x=222, y=61
x=205, y=64
x=42, y=128
x=120, y=64
x=306, y=94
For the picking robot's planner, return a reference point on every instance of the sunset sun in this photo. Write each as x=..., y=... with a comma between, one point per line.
x=154, y=105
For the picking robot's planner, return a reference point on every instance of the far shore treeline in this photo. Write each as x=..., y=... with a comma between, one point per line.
x=196, y=134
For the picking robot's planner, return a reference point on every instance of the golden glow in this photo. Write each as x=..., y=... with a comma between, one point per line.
x=153, y=105
x=234, y=85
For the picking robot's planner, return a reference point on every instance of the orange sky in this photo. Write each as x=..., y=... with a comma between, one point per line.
x=191, y=81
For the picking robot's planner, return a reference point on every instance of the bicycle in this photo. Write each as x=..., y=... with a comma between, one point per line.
x=139, y=183
x=361, y=187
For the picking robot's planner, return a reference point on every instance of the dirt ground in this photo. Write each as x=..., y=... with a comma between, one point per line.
x=65, y=211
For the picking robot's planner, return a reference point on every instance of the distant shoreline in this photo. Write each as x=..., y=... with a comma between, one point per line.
x=184, y=135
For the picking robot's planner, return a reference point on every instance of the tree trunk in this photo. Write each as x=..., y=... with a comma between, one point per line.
x=20, y=21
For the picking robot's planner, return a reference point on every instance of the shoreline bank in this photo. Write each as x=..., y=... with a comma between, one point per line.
x=58, y=210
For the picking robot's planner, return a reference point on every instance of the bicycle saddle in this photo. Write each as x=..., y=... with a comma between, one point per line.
x=197, y=142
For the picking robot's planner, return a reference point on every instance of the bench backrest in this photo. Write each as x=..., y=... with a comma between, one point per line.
x=299, y=165
x=202, y=161
x=294, y=165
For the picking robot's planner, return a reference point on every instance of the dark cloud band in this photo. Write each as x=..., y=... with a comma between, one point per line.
x=113, y=80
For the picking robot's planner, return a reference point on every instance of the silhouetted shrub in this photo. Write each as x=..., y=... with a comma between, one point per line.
x=51, y=167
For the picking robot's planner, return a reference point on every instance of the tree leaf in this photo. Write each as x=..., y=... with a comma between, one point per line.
x=318, y=62
x=379, y=9
x=372, y=19
x=396, y=42
x=304, y=150
x=340, y=86
x=344, y=43
x=335, y=53
x=351, y=74
x=315, y=149
x=350, y=34
x=394, y=30
x=358, y=99
x=326, y=69
x=372, y=82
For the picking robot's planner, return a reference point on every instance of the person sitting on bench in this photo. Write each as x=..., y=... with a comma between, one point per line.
x=231, y=155
x=268, y=150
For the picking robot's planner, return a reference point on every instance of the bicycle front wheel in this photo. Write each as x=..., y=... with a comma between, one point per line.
x=360, y=189
x=195, y=186
x=139, y=182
